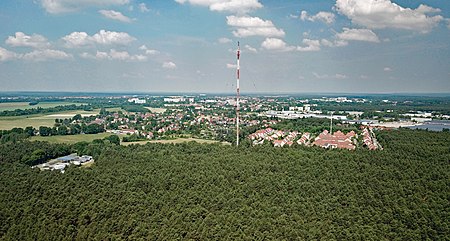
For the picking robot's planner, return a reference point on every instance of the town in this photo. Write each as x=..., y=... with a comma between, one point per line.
x=264, y=119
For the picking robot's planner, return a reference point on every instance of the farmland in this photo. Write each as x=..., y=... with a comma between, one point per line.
x=9, y=122
x=25, y=105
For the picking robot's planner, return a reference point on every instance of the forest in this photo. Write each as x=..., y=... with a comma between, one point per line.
x=212, y=191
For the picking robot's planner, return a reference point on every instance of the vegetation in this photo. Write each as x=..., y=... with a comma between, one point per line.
x=39, y=110
x=314, y=125
x=31, y=153
x=135, y=108
x=11, y=106
x=211, y=191
x=71, y=139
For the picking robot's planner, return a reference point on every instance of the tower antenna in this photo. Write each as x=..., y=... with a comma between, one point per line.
x=331, y=124
x=237, y=95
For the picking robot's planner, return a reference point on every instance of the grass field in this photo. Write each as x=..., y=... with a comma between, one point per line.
x=9, y=122
x=25, y=105
x=70, y=139
x=156, y=110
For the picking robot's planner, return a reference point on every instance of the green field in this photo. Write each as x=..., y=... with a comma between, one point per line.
x=25, y=105
x=9, y=122
x=70, y=139
x=156, y=110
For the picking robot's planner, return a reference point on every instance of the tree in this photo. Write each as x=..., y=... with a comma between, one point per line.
x=44, y=130
x=29, y=130
x=77, y=117
x=62, y=130
x=114, y=139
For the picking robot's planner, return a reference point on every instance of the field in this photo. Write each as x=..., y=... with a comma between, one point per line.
x=156, y=110
x=9, y=122
x=70, y=139
x=25, y=105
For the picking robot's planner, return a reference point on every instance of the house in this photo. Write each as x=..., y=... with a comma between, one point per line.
x=68, y=158
x=336, y=140
x=304, y=139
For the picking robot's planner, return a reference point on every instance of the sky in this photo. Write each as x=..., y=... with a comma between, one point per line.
x=291, y=46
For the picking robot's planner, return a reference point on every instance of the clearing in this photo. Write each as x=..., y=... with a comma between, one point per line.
x=156, y=110
x=71, y=139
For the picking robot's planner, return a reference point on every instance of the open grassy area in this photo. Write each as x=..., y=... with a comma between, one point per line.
x=25, y=105
x=9, y=122
x=156, y=110
x=70, y=139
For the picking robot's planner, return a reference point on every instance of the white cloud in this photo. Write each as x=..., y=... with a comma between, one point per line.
x=340, y=76
x=102, y=55
x=387, y=69
x=35, y=55
x=46, y=54
x=380, y=14
x=235, y=6
x=311, y=45
x=325, y=17
x=64, y=6
x=148, y=51
x=143, y=8
x=335, y=43
x=276, y=44
x=358, y=35
x=79, y=39
x=110, y=37
x=22, y=40
x=169, y=65
x=119, y=55
x=114, y=55
x=325, y=76
x=427, y=9
x=111, y=14
x=253, y=26
x=6, y=55
x=224, y=40
x=326, y=42
x=250, y=49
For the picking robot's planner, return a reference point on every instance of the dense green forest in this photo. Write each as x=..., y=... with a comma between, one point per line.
x=199, y=191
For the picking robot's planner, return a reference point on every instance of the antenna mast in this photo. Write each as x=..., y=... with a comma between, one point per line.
x=237, y=95
x=331, y=125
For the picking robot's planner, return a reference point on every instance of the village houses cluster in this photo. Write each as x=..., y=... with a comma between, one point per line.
x=325, y=139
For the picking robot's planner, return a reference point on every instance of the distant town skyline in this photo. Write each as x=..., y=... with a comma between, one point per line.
x=311, y=46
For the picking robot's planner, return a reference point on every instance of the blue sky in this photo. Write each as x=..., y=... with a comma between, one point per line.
x=349, y=46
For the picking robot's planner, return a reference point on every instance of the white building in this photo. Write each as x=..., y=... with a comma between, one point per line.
x=174, y=99
x=137, y=101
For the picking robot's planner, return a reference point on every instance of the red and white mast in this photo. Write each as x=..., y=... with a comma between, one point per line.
x=237, y=96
